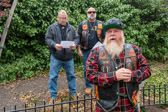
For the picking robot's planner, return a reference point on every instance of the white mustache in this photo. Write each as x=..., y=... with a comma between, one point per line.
x=112, y=37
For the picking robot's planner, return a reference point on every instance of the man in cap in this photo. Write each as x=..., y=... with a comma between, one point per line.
x=90, y=32
x=117, y=69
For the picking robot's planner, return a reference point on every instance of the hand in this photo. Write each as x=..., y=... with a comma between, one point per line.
x=80, y=53
x=123, y=74
x=58, y=46
x=72, y=47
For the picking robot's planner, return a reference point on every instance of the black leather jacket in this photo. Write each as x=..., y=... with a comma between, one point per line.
x=53, y=37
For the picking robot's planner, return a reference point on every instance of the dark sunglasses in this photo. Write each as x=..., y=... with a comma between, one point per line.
x=91, y=12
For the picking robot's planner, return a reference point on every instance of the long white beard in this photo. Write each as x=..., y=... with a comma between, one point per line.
x=114, y=48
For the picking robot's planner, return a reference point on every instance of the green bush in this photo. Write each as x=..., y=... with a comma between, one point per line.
x=24, y=67
x=145, y=24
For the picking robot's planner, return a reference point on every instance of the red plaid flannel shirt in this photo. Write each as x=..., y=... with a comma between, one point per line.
x=102, y=79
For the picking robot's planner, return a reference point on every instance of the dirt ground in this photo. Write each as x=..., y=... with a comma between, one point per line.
x=32, y=90
x=36, y=90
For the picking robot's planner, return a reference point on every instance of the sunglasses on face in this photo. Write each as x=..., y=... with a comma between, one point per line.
x=91, y=12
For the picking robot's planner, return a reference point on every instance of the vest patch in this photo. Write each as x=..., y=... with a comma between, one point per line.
x=84, y=27
x=95, y=28
x=134, y=97
x=105, y=68
x=100, y=26
x=84, y=33
x=103, y=55
x=98, y=32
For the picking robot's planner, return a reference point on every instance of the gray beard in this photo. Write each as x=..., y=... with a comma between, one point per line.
x=92, y=17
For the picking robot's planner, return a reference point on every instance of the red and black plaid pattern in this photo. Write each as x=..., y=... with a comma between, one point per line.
x=106, y=79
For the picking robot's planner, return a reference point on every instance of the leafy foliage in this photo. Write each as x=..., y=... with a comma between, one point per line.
x=145, y=24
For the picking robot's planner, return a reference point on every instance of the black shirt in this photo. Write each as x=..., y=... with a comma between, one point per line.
x=63, y=31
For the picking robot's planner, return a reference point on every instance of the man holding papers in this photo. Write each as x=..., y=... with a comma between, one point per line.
x=62, y=39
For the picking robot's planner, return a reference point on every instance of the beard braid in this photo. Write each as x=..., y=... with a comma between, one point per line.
x=114, y=48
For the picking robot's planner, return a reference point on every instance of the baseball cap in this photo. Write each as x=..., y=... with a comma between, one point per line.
x=113, y=23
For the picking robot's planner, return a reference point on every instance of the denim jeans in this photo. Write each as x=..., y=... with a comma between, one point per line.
x=55, y=66
x=84, y=57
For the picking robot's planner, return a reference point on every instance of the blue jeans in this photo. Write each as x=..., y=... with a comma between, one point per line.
x=84, y=57
x=55, y=66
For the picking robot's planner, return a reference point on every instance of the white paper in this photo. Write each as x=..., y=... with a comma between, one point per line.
x=141, y=85
x=67, y=44
x=98, y=44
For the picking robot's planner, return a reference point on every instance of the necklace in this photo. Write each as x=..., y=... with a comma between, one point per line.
x=92, y=25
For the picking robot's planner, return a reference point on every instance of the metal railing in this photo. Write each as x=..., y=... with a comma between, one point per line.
x=149, y=96
x=154, y=95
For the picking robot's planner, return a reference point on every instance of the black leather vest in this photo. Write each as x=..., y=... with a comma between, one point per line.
x=85, y=33
x=108, y=96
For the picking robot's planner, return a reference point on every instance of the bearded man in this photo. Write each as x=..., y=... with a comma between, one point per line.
x=116, y=69
x=90, y=32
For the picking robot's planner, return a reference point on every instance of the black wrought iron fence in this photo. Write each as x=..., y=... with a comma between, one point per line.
x=149, y=96
x=153, y=95
x=86, y=104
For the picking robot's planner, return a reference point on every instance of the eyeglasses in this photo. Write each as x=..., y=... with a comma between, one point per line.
x=62, y=18
x=91, y=12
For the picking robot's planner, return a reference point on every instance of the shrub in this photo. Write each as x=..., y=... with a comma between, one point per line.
x=145, y=24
